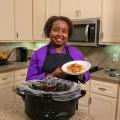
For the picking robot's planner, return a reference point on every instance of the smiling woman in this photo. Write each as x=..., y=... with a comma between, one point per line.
x=47, y=59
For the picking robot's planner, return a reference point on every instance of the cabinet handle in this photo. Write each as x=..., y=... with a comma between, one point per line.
x=89, y=101
x=43, y=35
x=101, y=36
x=17, y=35
x=4, y=78
x=103, y=89
x=77, y=13
x=23, y=74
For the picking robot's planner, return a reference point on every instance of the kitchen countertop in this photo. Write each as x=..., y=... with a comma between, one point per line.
x=98, y=75
x=102, y=76
x=15, y=111
x=13, y=66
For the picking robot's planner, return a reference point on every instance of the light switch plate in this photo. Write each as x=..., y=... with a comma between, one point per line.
x=115, y=57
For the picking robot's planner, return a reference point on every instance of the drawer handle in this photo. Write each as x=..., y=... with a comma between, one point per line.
x=103, y=89
x=4, y=78
x=23, y=74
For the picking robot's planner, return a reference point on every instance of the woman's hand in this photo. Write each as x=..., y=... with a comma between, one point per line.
x=57, y=73
x=82, y=78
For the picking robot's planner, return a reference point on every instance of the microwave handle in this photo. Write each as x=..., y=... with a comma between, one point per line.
x=86, y=32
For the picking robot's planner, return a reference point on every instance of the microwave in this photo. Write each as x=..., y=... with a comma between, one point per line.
x=85, y=32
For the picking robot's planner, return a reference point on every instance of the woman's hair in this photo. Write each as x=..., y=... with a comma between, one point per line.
x=52, y=19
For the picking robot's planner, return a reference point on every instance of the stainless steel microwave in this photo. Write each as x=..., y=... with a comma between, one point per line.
x=85, y=32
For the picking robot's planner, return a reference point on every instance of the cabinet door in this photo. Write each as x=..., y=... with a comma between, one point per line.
x=23, y=19
x=110, y=21
x=38, y=19
x=90, y=8
x=7, y=20
x=118, y=115
x=102, y=107
x=70, y=8
x=50, y=11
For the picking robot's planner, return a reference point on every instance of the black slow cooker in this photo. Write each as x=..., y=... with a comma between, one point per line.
x=50, y=99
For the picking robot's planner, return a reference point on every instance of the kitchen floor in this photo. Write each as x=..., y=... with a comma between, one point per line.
x=15, y=111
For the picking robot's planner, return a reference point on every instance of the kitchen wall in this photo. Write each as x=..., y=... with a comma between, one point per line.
x=102, y=55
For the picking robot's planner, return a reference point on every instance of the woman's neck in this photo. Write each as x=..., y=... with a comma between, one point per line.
x=58, y=49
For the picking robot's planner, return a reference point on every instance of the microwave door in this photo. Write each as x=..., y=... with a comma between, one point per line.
x=86, y=32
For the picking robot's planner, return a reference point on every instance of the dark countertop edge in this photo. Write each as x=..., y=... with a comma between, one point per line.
x=117, y=81
x=13, y=69
x=14, y=66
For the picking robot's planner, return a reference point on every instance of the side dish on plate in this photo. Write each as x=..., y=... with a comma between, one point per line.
x=76, y=67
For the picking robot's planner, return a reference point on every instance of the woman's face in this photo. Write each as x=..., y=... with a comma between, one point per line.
x=59, y=33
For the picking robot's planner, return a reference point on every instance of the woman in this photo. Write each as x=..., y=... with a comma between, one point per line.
x=47, y=60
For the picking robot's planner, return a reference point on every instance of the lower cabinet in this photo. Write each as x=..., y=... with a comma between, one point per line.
x=118, y=114
x=103, y=99
x=84, y=101
x=102, y=107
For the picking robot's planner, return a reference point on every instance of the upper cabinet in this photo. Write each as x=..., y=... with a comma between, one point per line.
x=81, y=9
x=7, y=20
x=16, y=20
x=52, y=9
x=23, y=19
x=38, y=19
x=42, y=10
x=110, y=26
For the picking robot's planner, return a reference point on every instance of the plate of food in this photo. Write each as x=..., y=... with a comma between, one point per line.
x=76, y=67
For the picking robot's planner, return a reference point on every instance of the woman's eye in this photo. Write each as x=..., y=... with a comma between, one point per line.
x=55, y=29
x=65, y=31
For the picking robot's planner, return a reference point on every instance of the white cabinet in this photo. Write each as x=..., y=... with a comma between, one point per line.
x=110, y=32
x=103, y=97
x=42, y=10
x=118, y=105
x=6, y=88
x=84, y=101
x=52, y=8
x=16, y=20
x=23, y=19
x=118, y=114
x=7, y=20
x=38, y=19
x=79, y=9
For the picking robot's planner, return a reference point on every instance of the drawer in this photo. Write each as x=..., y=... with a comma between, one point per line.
x=6, y=77
x=20, y=75
x=104, y=88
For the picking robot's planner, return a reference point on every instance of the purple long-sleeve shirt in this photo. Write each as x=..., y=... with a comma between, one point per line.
x=37, y=60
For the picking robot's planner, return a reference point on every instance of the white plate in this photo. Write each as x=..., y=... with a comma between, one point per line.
x=86, y=64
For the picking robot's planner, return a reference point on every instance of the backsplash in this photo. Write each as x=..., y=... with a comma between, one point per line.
x=102, y=56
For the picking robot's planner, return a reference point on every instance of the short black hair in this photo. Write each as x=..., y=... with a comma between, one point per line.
x=52, y=19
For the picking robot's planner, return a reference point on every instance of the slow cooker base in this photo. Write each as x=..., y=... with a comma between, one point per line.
x=39, y=109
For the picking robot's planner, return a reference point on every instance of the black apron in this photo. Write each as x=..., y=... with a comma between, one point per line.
x=52, y=61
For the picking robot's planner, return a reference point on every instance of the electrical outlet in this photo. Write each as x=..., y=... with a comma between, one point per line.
x=115, y=57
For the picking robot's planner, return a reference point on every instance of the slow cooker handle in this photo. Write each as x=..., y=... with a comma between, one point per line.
x=83, y=93
x=21, y=93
